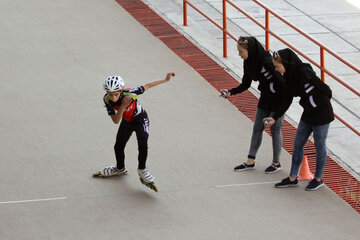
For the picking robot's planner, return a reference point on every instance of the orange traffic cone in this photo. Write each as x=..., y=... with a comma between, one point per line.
x=304, y=173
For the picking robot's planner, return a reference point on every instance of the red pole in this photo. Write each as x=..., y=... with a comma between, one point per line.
x=322, y=63
x=224, y=30
x=267, y=35
x=185, y=12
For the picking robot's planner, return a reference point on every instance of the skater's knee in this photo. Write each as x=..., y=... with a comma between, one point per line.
x=119, y=145
x=143, y=148
x=143, y=143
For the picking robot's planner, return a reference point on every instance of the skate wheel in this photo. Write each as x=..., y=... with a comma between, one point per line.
x=153, y=187
x=97, y=174
x=149, y=185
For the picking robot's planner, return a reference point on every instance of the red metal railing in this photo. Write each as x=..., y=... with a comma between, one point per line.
x=268, y=32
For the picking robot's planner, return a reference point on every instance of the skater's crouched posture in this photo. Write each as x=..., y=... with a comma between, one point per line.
x=122, y=105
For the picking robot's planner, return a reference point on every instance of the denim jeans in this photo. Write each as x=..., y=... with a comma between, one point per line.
x=320, y=133
x=258, y=129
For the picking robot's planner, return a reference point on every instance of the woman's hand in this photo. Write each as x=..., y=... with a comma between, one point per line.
x=269, y=121
x=224, y=93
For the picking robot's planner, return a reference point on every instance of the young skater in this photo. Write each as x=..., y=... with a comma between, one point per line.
x=258, y=66
x=122, y=105
x=318, y=113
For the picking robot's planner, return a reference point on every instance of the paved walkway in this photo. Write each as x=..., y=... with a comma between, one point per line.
x=55, y=133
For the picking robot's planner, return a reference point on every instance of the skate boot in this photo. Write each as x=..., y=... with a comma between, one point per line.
x=147, y=179
x=110, y=171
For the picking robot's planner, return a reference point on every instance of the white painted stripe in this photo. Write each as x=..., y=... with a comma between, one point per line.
x=35, y=200
x=244, y=184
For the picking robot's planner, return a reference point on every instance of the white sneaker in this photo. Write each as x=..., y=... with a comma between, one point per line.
x=145, y=175
x=110, y=171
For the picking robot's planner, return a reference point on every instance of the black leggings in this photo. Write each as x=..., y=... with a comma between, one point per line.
x=141, y=126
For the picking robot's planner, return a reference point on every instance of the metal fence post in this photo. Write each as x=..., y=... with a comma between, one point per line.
x=267, y=35
x=322, y=63
x=224, y=30
x=184, y=13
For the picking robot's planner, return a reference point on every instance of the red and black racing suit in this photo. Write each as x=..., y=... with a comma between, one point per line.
x=134, y=119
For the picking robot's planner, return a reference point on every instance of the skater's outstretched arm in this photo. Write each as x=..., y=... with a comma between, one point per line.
x=155, y=83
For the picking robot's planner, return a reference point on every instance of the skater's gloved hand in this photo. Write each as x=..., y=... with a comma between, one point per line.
x=169, y=75
x=126, y=101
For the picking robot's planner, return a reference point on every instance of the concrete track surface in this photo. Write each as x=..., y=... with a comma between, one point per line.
x=55, y=133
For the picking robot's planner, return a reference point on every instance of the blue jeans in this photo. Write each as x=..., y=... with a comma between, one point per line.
x=258, y=129
x=320, y=133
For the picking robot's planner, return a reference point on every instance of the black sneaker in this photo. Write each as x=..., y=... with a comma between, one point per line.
x=286, y=183
x=314, y=185
x=244, y=167
x=273, y=168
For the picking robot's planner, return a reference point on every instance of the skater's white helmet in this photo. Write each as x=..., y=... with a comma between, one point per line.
x=114, y=83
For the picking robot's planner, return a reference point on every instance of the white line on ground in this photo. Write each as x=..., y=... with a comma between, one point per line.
x=35, y=200
x=244, y=184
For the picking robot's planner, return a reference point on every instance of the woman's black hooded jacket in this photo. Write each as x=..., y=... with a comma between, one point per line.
x=314, y=94
x=259, y=67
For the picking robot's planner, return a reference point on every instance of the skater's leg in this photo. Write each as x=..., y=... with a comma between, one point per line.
x=142, y=135
x=122, y=137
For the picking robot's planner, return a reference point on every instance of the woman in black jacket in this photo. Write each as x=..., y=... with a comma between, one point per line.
x=318, y=113
x=258, y=66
